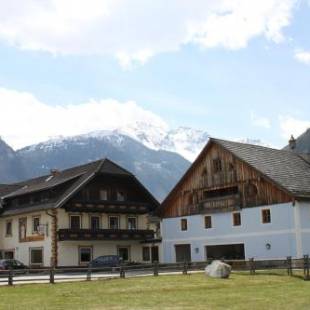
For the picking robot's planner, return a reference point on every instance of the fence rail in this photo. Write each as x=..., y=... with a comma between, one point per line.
x=54, y=275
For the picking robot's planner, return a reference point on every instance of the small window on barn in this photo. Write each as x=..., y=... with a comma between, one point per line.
x=208, y=222
x=237, y=219
x=231, y=167
x=266, y=216
x=183, y=224
x=217, y=165
x=251, y=190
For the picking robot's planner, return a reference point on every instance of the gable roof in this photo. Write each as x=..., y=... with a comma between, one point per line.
x=286, y=169
x=79, y=175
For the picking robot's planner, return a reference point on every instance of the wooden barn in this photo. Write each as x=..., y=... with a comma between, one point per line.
x=238, y=201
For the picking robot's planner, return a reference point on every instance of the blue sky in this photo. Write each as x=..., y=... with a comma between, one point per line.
x=248, y=85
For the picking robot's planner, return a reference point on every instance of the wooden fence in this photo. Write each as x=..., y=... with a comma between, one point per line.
x=54, y=275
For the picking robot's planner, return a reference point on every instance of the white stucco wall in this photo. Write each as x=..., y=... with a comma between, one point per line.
x=68, y=251
x=22, y=249
x=288, y=233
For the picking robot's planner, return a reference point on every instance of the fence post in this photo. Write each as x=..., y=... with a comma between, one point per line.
x=10, y=277
x=52, y=275
x=155, y=268
x=121, y=272
x=289, y=266
x=306, y=267
x=185, y=267
x=252, y=266
x=88, y=276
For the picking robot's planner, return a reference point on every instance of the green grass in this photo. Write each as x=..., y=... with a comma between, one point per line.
x=241, y=291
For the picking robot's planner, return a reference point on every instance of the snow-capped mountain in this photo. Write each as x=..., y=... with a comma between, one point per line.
x=158, y=170
x=185, y=141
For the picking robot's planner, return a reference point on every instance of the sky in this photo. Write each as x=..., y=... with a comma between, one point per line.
x=233, y=68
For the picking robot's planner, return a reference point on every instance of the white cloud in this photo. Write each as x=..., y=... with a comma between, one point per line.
x=25, y=120
x=260, y=121
x=292, y=126
x=135, y=30
x=303, y=56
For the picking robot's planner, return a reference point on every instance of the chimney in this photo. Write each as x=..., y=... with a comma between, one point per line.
x=292, y=143
x=54, y=172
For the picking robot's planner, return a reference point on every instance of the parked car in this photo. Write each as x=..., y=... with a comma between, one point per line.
x=14, y=264
x=106, y=261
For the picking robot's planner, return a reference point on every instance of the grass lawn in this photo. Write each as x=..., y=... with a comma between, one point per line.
x=241, y=291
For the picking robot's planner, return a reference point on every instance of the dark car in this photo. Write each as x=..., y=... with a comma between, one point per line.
x=106, y=261
x=13, y=264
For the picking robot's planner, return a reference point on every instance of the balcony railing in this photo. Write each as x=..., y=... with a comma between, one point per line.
x=109, y=206
x=104, y=234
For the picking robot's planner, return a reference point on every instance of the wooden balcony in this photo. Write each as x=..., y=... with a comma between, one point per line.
x=104, y=234
x=220, y=204
x=109, y=206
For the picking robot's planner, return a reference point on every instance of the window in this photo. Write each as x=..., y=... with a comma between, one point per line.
x=251, y=190
x=114, y=222
x=75, y=221
x=146, y=255
x=208, y=222
x=132, y=223
x=222, y=192
x=183, y=224
x=8, y=228
x=120, y=196
x=94, y=222
x=266, y=216
x=36, y=256
x=85, y=255
x=217, y=165
x=8, y=255
x=236, y=219
x=35, y=224
x=123, y=253
x=103, y=194
x=22, y=228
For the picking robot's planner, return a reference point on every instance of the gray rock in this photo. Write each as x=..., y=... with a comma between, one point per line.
x=218, y=269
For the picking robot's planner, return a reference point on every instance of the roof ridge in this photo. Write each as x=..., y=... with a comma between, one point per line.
x=251, y=144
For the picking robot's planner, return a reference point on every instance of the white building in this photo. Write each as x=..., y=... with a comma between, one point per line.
x=72, y=216
x=239, y=201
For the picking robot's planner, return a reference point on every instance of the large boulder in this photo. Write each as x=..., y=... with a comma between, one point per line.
x=218, y=269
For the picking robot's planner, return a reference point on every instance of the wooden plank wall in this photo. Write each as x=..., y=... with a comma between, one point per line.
x=189, y=198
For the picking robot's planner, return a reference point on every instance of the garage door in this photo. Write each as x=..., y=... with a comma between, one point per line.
x=226, y=251
x=183, y=253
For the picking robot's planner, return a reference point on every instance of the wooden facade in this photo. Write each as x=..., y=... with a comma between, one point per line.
x=218, y=181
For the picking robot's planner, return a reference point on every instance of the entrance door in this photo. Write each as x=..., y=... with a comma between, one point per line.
x=226, y=251
x=123, y=253
x=183, y=253
x=155, y=255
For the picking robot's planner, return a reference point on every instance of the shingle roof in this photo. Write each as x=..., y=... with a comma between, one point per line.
x=49, y=181
x=287, y=169
x=79, y=176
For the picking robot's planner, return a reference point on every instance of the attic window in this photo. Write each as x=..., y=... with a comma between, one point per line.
x=251, y=190
x=231, y=167
x=217, y=165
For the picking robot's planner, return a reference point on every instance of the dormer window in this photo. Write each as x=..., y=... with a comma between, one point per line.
x=103, y=194
x=217, y=165
x=120, y=196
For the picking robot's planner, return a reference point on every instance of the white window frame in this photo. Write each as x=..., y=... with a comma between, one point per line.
x=36, y=264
